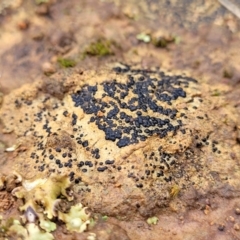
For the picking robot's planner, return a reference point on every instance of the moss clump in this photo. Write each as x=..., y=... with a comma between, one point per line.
x=101, y=47
x=41, y=1
x=216, y=93
x=105, y=218
x=227, y=73
x=162, y=42
x=66, y=62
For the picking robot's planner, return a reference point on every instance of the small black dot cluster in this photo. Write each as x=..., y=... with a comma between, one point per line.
x=126, y=117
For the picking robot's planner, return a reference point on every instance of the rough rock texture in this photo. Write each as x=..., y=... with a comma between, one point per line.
x=130, y=139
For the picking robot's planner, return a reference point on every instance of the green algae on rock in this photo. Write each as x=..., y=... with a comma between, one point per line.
x=101, y=47
x=66, y=62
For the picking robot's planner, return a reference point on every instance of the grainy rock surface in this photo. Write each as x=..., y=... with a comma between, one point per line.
x=198, y=38
x=128, y=138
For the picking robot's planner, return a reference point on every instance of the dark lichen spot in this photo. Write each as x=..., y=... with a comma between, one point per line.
x=147, y=95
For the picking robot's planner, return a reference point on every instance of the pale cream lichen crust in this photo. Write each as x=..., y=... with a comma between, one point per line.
x=125, y=136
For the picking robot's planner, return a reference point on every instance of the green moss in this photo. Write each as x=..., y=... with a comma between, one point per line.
x=162, y=42
x=92, y=223
x=101, y=47
x=216, y=93
x=227, y=74
x=105, y=218
x=66, y=62
x=41, y=1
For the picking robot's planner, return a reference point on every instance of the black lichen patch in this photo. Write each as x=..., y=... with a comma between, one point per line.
x=133, y=111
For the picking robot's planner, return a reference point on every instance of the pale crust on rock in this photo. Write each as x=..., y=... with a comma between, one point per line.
x=120, y=163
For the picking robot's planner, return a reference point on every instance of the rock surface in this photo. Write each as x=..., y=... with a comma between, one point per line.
x=130, y=139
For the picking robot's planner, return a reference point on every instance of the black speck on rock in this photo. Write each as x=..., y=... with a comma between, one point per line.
x=141, y=94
